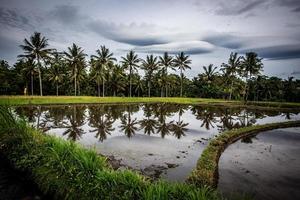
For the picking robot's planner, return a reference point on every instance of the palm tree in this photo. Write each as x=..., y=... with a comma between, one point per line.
x=231, y=68
x=29, y=69
x=75, y=58
x=117, y=81
x=182, y=62
x=130, y=62
x=166, y=62
x=36, y=48
x=209, y=72
x=100, y=64
x=150, y=65
x=55, y=73
x=251, y=66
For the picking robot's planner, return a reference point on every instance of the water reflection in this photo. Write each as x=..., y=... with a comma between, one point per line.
x=172, y=120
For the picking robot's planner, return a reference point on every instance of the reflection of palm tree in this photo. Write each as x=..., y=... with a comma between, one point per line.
x=148, y=124
x=178, y=128
x=206, y=116
x=128, y=126
x=164, y=128
x=76, y=119
x=101, y=122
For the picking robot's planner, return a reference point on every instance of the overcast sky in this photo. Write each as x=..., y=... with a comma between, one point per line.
x=208, y=30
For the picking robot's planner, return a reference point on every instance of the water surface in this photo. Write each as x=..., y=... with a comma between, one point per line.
x=162, y=139
x=266, y=166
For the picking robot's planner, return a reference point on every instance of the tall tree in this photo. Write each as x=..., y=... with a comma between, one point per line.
x=117, y=79
x=75, y=58
x=251, y=66
x=100, y=64
x=36, y=48
x=150, y=65
x=209, y=72
x=166, y=62
x=230, y=69
x=130, y=62
x=182, y=62
x=55, y=73
x=29, y=69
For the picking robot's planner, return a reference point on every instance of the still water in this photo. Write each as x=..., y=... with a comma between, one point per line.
x=160, y=140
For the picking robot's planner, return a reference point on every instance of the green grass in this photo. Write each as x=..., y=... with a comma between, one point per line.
x=28, y=100
x=68, y=171
x=206, y=172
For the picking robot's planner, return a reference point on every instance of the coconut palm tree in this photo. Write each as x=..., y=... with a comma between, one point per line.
x=117, y=79
x=100, y=64
x=130, y=62
x=209, y=72
x=166, y=62
x=230, y=69
x=29, y=69
x=36, y=48
x=251, y=66
x=55, y=73
x=75, y=58
x=150, y=65
x=182, y=62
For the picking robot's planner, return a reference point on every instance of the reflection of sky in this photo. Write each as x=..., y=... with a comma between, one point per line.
x=134, y=151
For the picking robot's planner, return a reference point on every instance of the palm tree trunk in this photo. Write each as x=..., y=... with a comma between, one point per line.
x=56, y=89
x=114, y=93
x=166, y=90
x=31, y=83
x=103, y=87
x=98, y=89
x=75, y=82
x=231, y=86
x=149, y=85
x=40, y=76
x=130, y=82
x=181, y=82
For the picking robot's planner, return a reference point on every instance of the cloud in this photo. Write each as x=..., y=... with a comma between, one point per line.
x=190, y=47
x=238, y=7
x=224, y=40
x=13, y=18
x=295, y=73
x=279, y=52
x=66, y=14
x=133, y=34
x=293, y=5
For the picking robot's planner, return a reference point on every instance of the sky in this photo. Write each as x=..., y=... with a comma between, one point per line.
x=207, y=30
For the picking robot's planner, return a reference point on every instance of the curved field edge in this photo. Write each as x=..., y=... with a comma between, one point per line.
x=65, y=170
x=38, y=100
x=206, y=171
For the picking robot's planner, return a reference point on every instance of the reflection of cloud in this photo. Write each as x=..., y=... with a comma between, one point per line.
x=279, y=52
x=296, y=73
x=190, y=47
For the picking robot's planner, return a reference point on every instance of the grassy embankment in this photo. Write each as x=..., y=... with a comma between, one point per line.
x=206, y=172
x=28, y=100
x=68, y=171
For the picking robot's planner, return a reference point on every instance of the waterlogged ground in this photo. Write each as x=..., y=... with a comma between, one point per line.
x=266, y=166
x=160, y=140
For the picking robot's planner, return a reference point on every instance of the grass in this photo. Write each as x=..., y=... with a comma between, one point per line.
x=206, y=172
x=65, y=170
x=28, y=100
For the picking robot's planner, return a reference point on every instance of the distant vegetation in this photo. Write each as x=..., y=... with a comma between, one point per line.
x=45, y=71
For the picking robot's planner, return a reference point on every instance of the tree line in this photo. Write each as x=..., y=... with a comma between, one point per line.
x=45, y=71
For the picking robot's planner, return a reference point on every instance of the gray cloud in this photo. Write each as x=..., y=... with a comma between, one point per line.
x=295, y=73
x=13, y=18
x=225, y=40
x=190, y=47
x=293, y=5
x=133, y=34
x=238, y=7
x=66, y=14
x=279, y=52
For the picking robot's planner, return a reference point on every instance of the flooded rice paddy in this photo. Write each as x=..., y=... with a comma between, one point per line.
x=159, y=140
